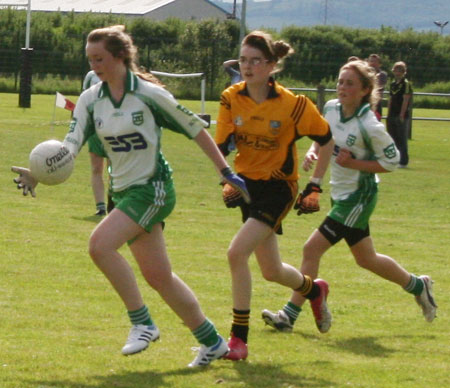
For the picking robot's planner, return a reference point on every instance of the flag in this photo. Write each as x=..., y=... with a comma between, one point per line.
x=63, y=102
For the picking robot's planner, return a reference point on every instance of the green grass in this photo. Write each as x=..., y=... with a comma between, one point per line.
x=62, y=326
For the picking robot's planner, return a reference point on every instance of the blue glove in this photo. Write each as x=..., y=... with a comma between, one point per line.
x=236, y=182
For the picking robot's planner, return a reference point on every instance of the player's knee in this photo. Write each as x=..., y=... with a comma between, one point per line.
x=271, y=274
x=235, y=257
x=364, y=261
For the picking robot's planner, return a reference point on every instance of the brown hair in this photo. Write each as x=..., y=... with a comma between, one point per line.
x=368, y=79
x=120, y=45
x=273, y=51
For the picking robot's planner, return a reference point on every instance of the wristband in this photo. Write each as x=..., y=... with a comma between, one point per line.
x=317, y=181
x=226, y=171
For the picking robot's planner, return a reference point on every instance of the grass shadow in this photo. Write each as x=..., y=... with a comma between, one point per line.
x=366, y=346
x=94, y=219
x=251, y=375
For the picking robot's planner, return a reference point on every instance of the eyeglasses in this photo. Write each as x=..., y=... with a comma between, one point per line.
x=252, y=61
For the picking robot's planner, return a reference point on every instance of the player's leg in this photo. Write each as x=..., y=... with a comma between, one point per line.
x=284, y=319
x=114, y=231
x=387, y=268
x=97, y=184
x=151, y=255
x=251, y=234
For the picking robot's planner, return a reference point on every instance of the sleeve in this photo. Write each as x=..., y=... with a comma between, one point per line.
x=381, y=144
x=382, y=79
x=225, y=127
x=309, y=122
x=408, y=88
x=170, y=114
x=87, y=81
x=81, y=127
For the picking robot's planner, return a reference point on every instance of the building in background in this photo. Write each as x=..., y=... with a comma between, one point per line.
x=151, y=9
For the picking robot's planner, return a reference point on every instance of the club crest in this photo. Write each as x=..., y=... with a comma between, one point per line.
x=351, y=139
x=390, y=151
x=138, y=117
x=275, y=127
x=238, y=121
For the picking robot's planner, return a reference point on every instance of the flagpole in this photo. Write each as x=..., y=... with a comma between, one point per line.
x=53, y=118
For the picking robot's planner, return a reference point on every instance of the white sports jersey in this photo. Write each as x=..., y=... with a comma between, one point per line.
x=366, y=138
x=90, y=79
x=130, y=130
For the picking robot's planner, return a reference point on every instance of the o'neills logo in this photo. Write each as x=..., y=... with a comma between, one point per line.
x=57, y=157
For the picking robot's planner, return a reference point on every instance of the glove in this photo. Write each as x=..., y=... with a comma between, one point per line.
x=308, y=200
x=228, y=176
x=25, y=180
x=231, y=196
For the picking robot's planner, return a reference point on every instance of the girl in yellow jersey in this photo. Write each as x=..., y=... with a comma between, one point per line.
x=263, y=120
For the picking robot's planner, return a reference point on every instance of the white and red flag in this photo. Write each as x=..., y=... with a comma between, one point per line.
x=63, y=102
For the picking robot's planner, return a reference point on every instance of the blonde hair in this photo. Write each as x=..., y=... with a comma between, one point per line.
x=273, y=51
x=120, y=45
x=400, y=65
x=368, y=78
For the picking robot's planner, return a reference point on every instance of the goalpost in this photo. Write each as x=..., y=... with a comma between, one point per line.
x=202, y=114
x=26, y=68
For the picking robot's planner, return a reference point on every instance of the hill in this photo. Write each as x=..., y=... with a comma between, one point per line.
x=401, y=14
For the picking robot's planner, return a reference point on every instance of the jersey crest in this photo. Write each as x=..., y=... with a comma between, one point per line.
x=138, y=117
x=390, y=151
x=351, y=139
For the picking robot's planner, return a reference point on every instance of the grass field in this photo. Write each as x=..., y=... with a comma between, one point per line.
x=62, y=326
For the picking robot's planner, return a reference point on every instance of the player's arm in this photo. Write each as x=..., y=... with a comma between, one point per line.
x=345, y=159
x=209, y=147
x=308, y=200
x=385, y=153
x=317, y=129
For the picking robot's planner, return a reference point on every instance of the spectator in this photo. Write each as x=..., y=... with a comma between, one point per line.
x=375, y=62
x=235, y=75
x=400, y=97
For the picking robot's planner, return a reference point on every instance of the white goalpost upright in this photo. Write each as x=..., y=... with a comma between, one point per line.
x=21, y=4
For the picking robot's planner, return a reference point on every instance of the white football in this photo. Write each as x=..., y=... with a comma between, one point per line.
x=51, y=163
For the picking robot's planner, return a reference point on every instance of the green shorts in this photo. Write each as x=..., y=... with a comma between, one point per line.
x=95, y=146
x=148, y=204
x=355, y=211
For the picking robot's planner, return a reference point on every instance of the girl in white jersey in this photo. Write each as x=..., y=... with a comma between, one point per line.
x=362, y=149
x=127, y=111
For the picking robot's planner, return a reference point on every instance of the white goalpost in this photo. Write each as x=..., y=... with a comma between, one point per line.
x=21, y=4
x=191, y=75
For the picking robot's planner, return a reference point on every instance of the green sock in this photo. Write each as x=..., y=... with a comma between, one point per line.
x=292, y=311
x=206, y=333
x=140, y=316
x=415, y=285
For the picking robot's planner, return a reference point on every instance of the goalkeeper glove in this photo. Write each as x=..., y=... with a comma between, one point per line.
x=308, y=200
x=25, y=180
x=231, y=197
x=228, y=176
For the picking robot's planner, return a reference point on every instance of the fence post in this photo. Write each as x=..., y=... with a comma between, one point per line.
x=320, y=97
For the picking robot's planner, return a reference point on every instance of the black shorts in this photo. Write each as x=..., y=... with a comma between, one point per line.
x=271, y=201
x=334, y=231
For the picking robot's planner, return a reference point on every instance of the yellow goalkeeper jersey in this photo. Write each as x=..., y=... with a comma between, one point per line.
x=265, y=134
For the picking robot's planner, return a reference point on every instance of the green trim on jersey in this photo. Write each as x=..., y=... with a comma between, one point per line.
x=355, y=211
x=358, y=112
